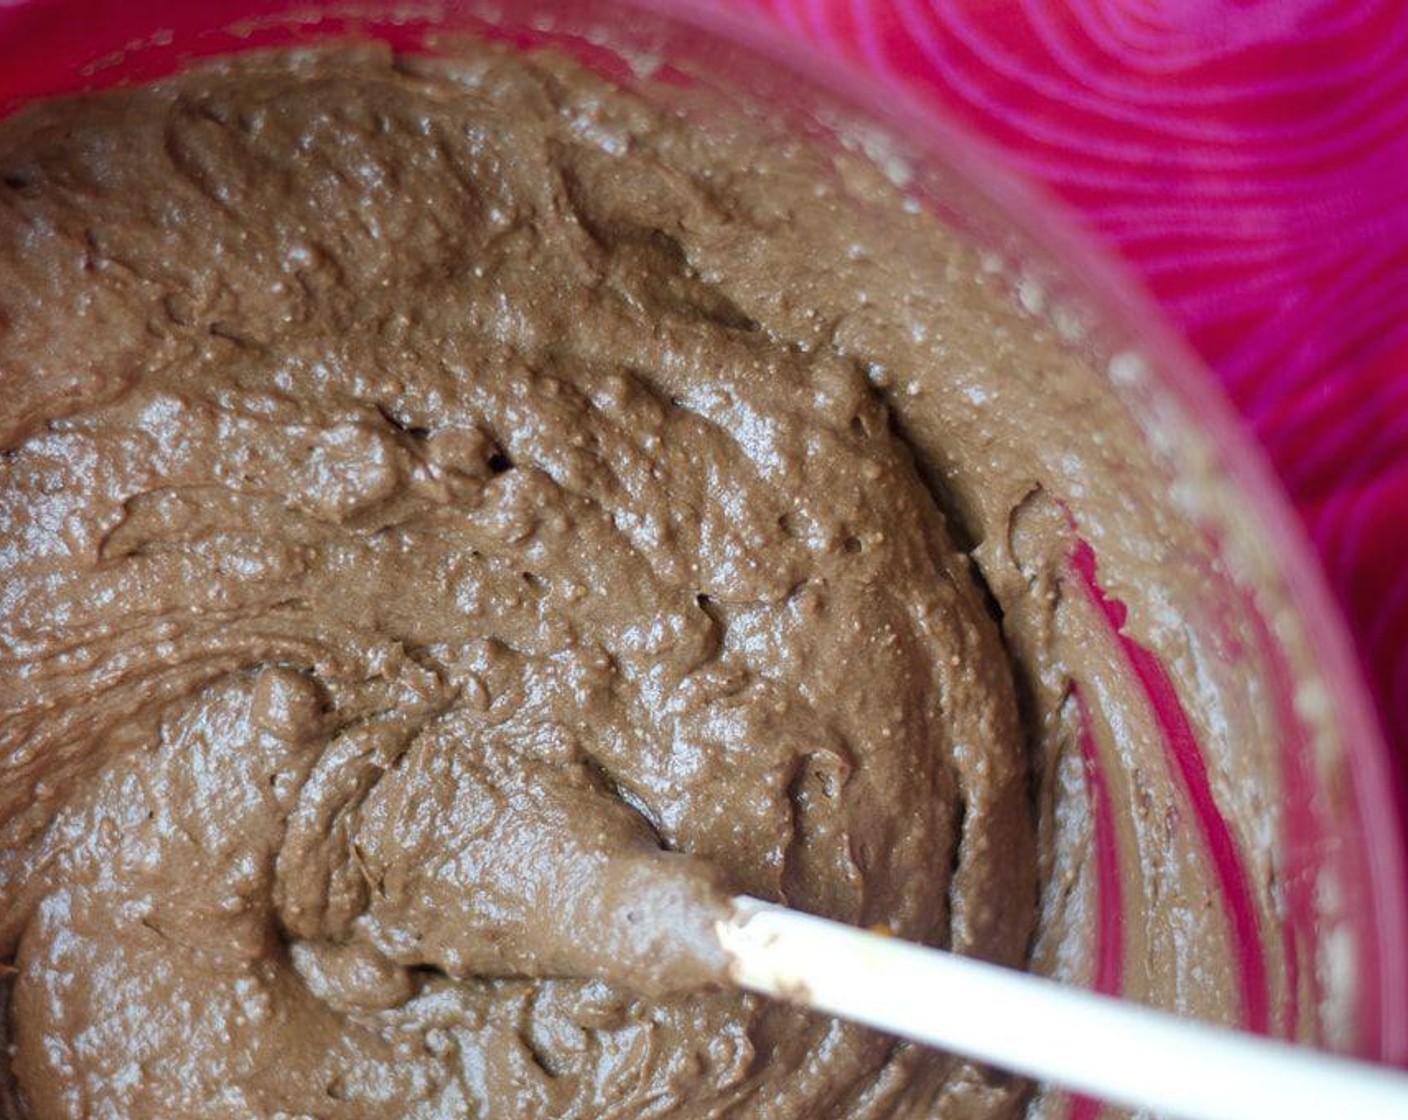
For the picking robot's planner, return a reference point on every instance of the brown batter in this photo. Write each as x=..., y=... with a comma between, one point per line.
x=452, y=534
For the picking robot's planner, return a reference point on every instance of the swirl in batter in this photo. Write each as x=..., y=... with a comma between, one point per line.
x=430, y=589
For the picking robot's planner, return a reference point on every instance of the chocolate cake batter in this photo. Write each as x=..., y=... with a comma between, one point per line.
x=458, y=524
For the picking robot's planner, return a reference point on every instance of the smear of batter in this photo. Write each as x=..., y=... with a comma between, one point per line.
x=430, y=587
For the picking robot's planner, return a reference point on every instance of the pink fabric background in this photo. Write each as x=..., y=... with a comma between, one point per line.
x=1250, y=159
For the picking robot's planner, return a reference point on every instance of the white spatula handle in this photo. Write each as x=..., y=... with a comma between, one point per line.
x=1118, y=1051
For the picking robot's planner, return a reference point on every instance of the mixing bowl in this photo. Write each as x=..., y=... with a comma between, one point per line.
x=1276, y=684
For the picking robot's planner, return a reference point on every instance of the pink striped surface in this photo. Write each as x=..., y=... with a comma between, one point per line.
x=1250, y=159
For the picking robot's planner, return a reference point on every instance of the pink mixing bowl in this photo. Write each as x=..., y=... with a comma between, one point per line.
x=1339, y=855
